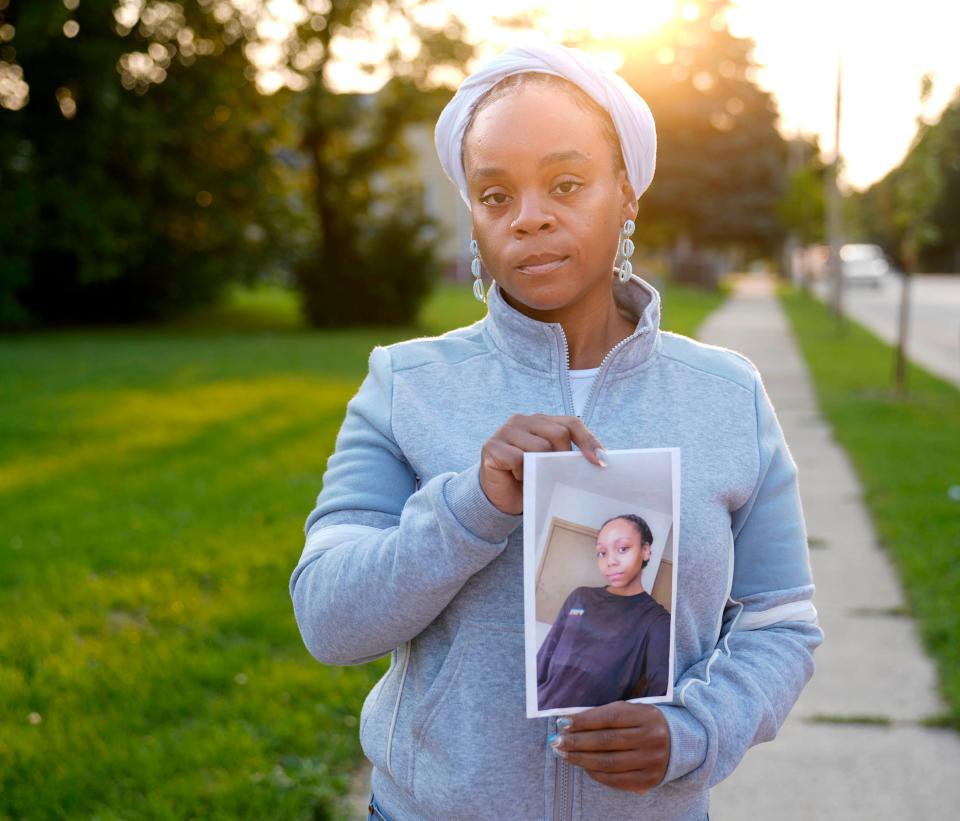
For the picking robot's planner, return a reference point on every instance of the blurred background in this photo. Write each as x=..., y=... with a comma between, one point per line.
x=154, y=152
x=210, y=210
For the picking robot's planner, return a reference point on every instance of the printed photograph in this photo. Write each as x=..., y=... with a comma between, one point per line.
x=599, y=578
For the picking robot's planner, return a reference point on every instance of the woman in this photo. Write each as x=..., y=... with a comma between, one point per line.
x=414, y=547
x=608, y=643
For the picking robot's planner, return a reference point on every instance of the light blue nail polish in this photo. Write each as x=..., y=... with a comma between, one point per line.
x=602, y=457
x=564, y=724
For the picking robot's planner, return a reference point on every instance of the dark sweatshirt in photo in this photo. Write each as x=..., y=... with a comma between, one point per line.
x=604, y=647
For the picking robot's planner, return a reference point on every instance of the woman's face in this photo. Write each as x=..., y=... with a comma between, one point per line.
x=547, y=201
x=620, y=552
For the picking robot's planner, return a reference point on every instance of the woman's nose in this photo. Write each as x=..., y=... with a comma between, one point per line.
x=532, y=216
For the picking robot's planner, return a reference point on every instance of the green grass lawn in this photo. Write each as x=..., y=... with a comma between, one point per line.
x=153, y=488
x=907, y=454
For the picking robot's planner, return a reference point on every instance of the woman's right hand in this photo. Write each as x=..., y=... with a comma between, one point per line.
x=501, y=458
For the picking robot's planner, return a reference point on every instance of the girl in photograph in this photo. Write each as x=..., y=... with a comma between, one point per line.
x=613, y=642
x=414, y=548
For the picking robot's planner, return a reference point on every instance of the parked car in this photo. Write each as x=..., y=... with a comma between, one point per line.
x=864, y=264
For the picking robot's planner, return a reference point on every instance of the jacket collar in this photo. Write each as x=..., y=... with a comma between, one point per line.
x=542, y=345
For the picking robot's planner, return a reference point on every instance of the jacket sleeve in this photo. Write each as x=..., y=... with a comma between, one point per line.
x=382, y=556
x=739, y=694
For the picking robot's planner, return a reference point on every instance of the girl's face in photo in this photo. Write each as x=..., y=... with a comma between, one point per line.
x=621, y=553
x=547, y=200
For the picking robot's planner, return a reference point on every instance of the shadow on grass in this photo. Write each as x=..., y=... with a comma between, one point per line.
x=154, y=641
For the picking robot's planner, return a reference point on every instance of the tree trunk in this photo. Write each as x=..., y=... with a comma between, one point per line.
x=900, y=363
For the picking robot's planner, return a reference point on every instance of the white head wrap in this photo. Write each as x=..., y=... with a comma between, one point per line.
x=628, y=110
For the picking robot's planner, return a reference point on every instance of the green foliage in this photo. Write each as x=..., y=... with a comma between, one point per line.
x=914, y=212
x=917, y=190
x=145, y=170
x=374, y=258
x=131, y=203
x=721, y=164
x=392, y=269
x=802, y=209
x=906, y=452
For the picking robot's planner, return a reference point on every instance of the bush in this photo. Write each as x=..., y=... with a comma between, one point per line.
x=381, y=278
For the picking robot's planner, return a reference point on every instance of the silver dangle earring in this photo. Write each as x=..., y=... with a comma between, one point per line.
x=478, y=291
x=625, y=250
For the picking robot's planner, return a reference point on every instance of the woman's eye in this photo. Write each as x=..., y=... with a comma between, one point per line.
x=568, y=186
x=494, y=198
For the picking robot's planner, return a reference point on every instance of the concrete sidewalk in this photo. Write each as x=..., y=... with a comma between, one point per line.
x=834, y=759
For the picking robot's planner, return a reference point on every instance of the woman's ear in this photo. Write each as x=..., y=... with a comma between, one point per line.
x=628, y=199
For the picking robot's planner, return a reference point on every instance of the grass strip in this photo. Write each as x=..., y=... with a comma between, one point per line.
x=906, y=452
x=864, y=719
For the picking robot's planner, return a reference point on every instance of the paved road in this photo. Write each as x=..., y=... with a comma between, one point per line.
x=828, y=762
x=934, y=336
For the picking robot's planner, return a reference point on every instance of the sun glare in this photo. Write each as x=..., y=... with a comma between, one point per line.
x=618, y=18
x=876, y=79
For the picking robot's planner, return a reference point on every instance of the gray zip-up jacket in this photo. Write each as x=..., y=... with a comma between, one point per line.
x=405, y=555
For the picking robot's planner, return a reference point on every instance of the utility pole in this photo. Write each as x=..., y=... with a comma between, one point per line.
x=834, y=227
x=792, y=246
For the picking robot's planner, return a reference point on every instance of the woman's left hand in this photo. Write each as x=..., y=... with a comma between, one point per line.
x=622, y=745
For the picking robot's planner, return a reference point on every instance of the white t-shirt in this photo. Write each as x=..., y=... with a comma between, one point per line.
x=581, y=381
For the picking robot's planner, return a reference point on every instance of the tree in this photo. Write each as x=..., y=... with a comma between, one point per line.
x=802, y=207
x=372, y=259
x=943, y=254
x=370, y=256
x=880, y=210
x=156, y=156
x=914, y=211
x=917, y=192
x=721, y=165
x=137, y=183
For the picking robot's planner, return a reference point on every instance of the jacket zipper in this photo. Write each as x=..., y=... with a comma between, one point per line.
x=562, y=798
x=566, y=372
x=407, y=648
x=595, y=387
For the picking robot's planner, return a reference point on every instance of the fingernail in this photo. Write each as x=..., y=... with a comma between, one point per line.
x=564, y=724
x=555, y=742
x=601, y=457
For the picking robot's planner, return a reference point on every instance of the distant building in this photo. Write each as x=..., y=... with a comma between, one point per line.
x=442, y=202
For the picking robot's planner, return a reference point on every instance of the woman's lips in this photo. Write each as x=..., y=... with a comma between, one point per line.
x=542, y=267
x=614, y=577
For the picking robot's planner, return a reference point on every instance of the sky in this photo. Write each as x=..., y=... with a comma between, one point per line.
x=886, y=48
